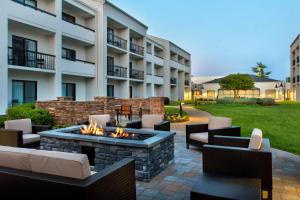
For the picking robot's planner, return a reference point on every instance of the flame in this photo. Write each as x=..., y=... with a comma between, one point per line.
x=119, y=133
x=92, y=129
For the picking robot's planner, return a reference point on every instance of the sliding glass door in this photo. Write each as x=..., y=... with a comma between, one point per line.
x=24, y=51
x=24, y=91
x=69, y=90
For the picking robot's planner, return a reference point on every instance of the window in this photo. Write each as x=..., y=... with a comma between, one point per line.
x=110, y=91
x=68, y=18
x=271, y=94
x=298, y=78
x=24, y=51
x=24, y=91
x=31, y=3
x=297, y=59
x=294, y=79
x=210, y=94
x=68, y=54
x=69, y=90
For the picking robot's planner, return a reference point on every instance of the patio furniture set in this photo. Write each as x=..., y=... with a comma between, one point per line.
x=234, y=167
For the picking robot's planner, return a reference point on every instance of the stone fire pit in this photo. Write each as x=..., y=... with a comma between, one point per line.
x=152, y=150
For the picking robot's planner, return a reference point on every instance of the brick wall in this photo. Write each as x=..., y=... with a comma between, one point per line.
x=68, y=112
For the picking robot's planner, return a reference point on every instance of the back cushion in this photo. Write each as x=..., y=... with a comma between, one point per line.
x=16, y=158
x=19, y=124
x=256, y=139
x=60, y=163
x=219, y=122
x=148, y=121
x=100, y=119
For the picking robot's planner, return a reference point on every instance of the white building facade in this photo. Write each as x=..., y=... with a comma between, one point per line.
x=76, y=48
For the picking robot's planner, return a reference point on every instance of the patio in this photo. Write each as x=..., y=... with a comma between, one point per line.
x=176, y=181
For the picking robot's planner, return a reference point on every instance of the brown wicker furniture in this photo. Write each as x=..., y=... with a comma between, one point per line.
x=201, y=134
x=21, y=133
x=151, y=121
x=220, y=188
x=23, y=176
x=231, y=156
x=126, y=110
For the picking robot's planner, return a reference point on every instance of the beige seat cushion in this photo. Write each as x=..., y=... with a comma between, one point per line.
x=16, y=158
x=201, y=137
x=219, y=122
x=20, y=124
x=148, y=121
x=60, y=163
x=256, y=139
x=101, y=120
x=29, y=138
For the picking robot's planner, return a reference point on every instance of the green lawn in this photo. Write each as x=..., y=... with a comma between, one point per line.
x=172, y=110
x=280, y=123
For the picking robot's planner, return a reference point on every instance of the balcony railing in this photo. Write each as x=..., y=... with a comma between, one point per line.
x=116, y=41
x=32, y=59
x=159, y=75
x=25, y=3
x=173, y=81
x=76, y=24
x=136, y=74
x=113, y=70
x=187, y=83
x=78, y=60
x=137, y=49
x=157, y=55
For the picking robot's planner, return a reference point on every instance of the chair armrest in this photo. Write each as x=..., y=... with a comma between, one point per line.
x=238, y=162
x=111, y=124
x=196, y=128
x=136, y=124
x=10, y=137
x=230, y=131
x=163, y=126
x=39, y=128
x=231, y=141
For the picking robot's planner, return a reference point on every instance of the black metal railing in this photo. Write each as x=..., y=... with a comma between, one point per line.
x=187, y=83
x=136, y=74
x=137, y=49
x=159, y=56
x=159, y=75
x=113, y=70
x=173, y=81
x=24, y=3
x=78, y=60
x=33, y=59
x=74, y=23
x=116, y=41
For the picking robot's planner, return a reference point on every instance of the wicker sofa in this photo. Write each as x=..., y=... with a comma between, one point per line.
x=21, y=133
x=201, y=134
x=36, y=174
x=151, y=121
x=233, y=156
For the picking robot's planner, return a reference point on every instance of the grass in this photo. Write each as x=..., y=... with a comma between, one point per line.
x=172, y=110
x=280, y=123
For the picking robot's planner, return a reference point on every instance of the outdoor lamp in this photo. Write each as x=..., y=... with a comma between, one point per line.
x=180, y=111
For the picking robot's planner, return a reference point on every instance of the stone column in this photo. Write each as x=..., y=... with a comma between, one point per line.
x=157, y=105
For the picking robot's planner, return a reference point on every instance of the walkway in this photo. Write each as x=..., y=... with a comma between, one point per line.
x=176, y=181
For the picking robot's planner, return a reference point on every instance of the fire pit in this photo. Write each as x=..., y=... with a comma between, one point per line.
x=152, y=150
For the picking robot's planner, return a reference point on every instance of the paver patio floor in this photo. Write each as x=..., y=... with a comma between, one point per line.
x=175, y=182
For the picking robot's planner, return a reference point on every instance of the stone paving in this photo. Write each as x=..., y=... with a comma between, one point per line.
x=176, y=181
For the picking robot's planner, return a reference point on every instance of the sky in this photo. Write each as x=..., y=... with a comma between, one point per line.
x=224, y=36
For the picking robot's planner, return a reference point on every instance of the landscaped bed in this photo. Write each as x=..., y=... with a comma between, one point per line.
x=280, y=123
x=172, y=114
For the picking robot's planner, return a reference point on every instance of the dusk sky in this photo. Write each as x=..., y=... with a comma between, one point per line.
x=224, y=36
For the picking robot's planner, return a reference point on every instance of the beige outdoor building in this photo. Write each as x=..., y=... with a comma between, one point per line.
x=295, y=72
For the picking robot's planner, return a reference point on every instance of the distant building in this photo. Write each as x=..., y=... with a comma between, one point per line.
x=263, y=87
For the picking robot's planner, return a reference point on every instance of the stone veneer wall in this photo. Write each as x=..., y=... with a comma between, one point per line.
x=148, y=161
x=68, y=112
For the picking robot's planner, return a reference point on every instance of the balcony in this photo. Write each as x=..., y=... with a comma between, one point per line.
x=187, y=83
x=33, y=6
x=76, y=24
x=117, y=71
x=136, y=74
x=137, y=49
x=173, y=81
x=31, y=59
x=116, y=41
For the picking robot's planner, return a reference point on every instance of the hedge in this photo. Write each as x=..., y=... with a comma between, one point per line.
x=260, y=101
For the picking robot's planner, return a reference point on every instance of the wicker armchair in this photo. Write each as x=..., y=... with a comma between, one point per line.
x=21, y=133
x=201, y=134
x=149, y=121
x=231, y=156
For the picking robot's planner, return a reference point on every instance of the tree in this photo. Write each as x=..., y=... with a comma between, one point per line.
x=260, y=70
x=237, y=82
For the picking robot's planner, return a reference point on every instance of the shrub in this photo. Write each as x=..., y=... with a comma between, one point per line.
x=246, y=101
x=266, y=102
x=167, y=100
x=37, y=116
x=2, y=120
x=173, y=118
x=225, y=100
